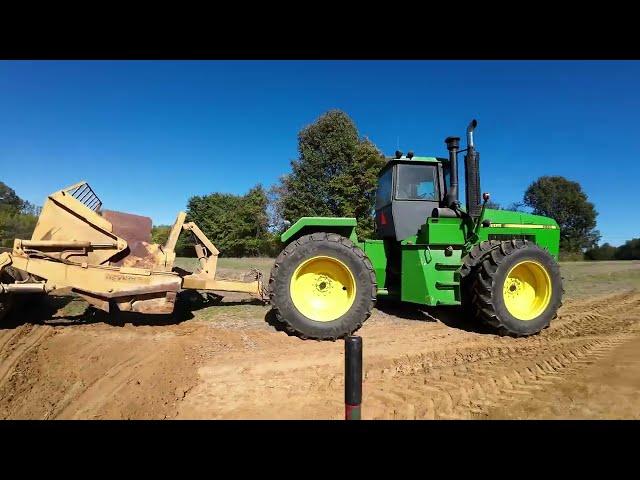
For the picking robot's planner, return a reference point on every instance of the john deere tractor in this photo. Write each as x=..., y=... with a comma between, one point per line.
x=499, y=266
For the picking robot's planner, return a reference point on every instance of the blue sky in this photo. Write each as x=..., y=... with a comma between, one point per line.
x=149, y=134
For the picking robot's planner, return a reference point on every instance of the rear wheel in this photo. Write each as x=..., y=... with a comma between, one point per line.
x=517, y=288
x=322, y=286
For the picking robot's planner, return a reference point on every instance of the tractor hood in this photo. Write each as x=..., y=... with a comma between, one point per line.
x=503, y=217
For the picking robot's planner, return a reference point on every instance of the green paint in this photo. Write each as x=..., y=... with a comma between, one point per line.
x=375, y=250
x=429, y=276
x=344, y=226
x=507, y=216
x=547, y=238
x=442, y=231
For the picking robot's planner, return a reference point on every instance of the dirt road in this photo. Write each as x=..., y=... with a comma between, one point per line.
x=227, y=361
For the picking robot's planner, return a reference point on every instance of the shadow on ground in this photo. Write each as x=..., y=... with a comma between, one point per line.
x=63, y=310
x=58, y=310
x=454, y=317
x=271, y=318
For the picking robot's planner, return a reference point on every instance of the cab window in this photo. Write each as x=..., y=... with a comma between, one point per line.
x=383, y=195
x=416, y=182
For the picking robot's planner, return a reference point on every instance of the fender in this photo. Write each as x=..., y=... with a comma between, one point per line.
x=343, y=225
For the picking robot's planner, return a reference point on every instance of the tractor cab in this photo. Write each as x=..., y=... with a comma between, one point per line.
x=412, y=189
x=409, y=188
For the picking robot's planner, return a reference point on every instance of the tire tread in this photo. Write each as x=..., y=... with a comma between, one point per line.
x=321, y=237
x=482, y=282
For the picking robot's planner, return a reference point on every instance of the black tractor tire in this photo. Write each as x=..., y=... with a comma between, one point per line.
x=489, y=281
x=470, y=265
x=336, y=247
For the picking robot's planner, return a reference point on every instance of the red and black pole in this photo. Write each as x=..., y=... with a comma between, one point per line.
x=352, y=377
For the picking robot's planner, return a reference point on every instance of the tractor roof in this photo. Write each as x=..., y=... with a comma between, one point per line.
x=393, y=161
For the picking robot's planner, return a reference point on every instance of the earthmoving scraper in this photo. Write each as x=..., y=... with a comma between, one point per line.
x=107, y=258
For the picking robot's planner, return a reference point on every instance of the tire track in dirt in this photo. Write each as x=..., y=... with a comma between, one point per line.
x=89, y=397
x=19, y=350
x=416, y=366
x=584, y=332
x=17, y=345
x=96, y=370
x=415, y=369
x=466, y=391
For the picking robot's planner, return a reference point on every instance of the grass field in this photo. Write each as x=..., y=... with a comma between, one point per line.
x=582, y=279
x=240, y=264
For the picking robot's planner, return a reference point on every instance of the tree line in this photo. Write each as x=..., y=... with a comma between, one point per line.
x=629, y=251
x=335, y=174
x=238, y=225
x=18, y=217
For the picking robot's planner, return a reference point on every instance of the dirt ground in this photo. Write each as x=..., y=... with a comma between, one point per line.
x=59, y=359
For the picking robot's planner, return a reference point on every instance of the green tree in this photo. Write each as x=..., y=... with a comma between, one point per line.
x=160, y=233
x=335, y=175
x=18, y=217
x=565, y=202
x=9, y=200
x=184, y=245
x=514, y=206
x=602, y=252
x=629, y=251
x=15, y=225
x=236, y=224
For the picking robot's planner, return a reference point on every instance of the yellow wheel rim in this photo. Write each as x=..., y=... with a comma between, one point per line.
x=323, y=288
x=527, y=290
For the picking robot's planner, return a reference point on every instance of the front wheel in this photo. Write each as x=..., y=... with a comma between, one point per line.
x=322, y=286
x=517, y=289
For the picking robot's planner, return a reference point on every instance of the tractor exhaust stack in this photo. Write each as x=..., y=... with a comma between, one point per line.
x=453, y=143
x=472, y=126
x=472, y=173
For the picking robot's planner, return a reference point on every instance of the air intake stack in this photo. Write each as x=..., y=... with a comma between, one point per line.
x=472, y=174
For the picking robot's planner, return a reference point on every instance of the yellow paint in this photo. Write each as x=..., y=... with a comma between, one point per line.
x=5, y=260
x=527, y=290
x=135, y=271
x=323, y=288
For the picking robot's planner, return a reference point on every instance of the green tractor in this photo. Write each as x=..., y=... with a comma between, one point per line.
x=499, y=266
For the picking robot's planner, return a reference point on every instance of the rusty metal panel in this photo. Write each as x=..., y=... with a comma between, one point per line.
x=133, y=228
x=136, y=230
